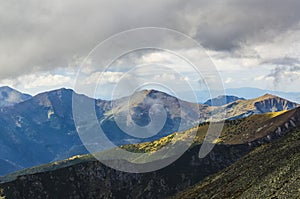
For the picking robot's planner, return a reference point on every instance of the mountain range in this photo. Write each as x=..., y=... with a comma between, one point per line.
x=256, y=156
x=41, y=129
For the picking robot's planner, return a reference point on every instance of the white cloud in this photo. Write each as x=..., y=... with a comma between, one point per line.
x=103, y=78
x=35, y=83
x=44, y=80
x=228, y=80
x=259, y=78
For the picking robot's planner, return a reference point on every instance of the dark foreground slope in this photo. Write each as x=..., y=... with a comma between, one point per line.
x=92, y=179
x=270, y=171
x=84, y=177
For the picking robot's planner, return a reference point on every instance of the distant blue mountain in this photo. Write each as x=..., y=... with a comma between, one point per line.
x=38, y=130
x=222, y=100
x=10, y=97
x=250, y=93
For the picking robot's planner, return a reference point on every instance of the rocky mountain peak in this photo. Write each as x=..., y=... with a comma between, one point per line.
x=272, y=103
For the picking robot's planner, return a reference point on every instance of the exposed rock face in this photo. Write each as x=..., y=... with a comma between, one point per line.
x=281, y=130
x=264, y=104
x=271, y=103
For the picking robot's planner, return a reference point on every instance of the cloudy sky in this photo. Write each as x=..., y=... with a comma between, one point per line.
x=253, y=43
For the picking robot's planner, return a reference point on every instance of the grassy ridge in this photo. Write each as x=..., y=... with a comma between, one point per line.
x=238, y=131
x=270, y=171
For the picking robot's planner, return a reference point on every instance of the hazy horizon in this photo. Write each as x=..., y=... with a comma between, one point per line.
x=203, y=95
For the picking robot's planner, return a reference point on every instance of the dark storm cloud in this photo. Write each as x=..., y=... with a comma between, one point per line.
x=41, y=35
x=226, y=25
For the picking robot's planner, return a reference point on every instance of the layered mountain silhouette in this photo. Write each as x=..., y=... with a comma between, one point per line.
x=262, y=150
x=41, y=129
